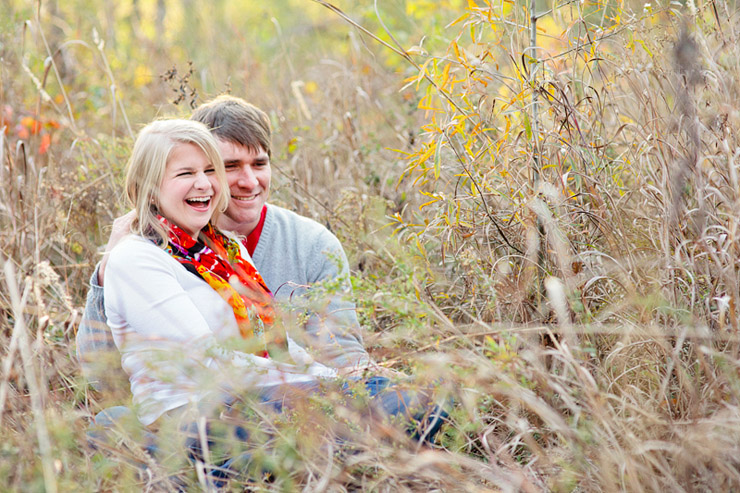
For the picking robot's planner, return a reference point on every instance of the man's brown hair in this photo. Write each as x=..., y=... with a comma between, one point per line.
x=234, y=120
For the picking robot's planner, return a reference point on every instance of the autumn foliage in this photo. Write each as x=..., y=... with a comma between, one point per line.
x=539, y=201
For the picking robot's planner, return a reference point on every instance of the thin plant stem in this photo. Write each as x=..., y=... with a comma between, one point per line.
x=42, y=433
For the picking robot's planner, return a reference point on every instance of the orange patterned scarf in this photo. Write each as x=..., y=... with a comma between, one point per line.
x=235, y=279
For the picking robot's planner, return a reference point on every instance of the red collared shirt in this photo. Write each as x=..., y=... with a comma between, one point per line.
x=254, y=237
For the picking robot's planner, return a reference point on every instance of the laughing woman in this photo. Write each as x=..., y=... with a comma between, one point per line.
x=177, y=289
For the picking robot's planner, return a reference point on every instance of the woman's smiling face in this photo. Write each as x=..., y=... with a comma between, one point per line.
x=189, y=189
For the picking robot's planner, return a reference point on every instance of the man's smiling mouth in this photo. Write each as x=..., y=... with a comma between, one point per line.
x=245, y=198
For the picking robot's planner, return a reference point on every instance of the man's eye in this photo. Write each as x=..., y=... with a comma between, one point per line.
x=230, y=167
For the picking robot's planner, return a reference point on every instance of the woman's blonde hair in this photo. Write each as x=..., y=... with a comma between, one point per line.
x=145, y=171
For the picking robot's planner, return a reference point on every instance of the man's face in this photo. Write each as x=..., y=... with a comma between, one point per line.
x=248, y=174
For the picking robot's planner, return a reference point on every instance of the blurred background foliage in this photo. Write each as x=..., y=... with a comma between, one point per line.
x=551, y=228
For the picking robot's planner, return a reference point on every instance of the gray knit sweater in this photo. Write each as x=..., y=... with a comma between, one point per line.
x=304, y=266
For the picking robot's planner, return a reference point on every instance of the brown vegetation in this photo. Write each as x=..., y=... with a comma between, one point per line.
x=585, y=323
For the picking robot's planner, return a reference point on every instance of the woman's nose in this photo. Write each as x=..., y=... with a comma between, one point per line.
x=202, y=182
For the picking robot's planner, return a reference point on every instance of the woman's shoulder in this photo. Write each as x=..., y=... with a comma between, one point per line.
x=133, y=250
x=132, y=243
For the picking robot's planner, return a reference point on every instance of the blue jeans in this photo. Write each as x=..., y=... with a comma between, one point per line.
x=112, y=422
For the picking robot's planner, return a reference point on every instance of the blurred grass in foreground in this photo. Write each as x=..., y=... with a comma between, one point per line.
x=602, y=355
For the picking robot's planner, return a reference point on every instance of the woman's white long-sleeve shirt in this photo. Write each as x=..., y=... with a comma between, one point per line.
x=168, y=325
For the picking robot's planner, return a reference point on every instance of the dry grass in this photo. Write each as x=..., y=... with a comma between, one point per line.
x=601, y=356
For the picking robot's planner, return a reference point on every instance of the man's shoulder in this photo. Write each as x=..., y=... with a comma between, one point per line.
x=285, y=221
x=287, y=216
x=293, y=248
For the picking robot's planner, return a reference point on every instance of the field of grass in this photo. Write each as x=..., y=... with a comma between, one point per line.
x=549, y=225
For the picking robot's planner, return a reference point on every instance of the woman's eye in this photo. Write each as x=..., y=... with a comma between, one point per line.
x=210, y=170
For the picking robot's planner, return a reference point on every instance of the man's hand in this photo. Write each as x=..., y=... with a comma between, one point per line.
x=121, y=227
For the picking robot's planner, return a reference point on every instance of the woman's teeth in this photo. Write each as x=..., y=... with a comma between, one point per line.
x=198, y=200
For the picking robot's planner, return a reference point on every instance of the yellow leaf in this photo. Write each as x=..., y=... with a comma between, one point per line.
x=429, y=203
x=445, y=75
x=644, y=47
x=459, y=19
